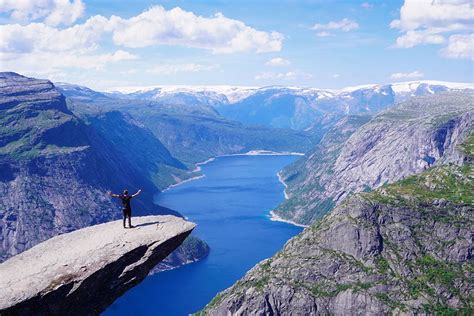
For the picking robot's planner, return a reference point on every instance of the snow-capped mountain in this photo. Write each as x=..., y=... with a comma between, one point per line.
x=78, y=91
x=234, y=94
x=304, y=108
x=284, y=107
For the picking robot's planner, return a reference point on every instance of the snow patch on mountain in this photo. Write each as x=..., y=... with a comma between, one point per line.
x=234, y=94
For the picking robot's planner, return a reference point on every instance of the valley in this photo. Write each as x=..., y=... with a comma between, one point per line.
x=230, y=158
x=232, y=174
x=230, y=206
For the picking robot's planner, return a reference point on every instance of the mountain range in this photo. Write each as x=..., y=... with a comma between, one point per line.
x=193, y=132
x=291, y=107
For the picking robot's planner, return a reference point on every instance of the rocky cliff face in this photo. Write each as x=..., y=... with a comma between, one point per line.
x=137, y=144
x=405, y=248
x=55, y=169
x=398, y=142
x=191, y=250
x=83, y=272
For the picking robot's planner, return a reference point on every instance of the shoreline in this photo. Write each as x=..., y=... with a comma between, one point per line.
x=199, y=164
x=249, y=153
x=272, y=216
x=261, y=152
x=182, y=182
x=284, y=184
x=275, y=218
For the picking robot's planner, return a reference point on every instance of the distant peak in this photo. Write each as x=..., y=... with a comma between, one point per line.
x=10, y=75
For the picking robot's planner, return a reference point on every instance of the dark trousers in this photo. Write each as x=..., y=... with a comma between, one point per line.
x=127, y=212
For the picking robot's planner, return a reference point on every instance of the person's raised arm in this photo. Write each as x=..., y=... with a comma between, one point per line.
x=113, y=194
x=138, y=192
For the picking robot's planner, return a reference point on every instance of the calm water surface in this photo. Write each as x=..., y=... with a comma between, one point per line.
x=230, y=205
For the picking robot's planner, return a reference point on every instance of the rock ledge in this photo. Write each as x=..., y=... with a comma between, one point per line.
x=84, y=271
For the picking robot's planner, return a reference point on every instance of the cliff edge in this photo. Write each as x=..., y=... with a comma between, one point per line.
x=84, y=271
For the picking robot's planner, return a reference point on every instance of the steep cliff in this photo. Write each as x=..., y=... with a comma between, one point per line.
x=137, y=144
x=83, y=272
x=55, y=169
x=398, y=142
x=405, y=248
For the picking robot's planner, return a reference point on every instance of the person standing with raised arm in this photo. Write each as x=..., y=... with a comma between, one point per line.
x=126, y=208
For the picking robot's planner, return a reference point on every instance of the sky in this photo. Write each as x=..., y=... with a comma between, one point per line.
x=105, y=44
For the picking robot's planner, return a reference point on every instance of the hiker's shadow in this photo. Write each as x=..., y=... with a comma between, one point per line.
x=148, y=224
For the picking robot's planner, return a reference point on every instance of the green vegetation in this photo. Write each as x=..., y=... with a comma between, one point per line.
x=263, y=275
x=214, y=302
x=332, y=290
x=468, y=146
x=262, y=282
x=318, y=291
x=437, y=271
x=320, y=208
x=446, y=310
x=450, y=183
x=393, y=304
x=431, y=274
x=382, y=264
x=194, y=247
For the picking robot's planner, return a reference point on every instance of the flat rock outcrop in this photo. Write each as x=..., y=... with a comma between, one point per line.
x=83, y=272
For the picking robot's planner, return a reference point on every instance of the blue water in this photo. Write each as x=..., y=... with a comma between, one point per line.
x=230, y=205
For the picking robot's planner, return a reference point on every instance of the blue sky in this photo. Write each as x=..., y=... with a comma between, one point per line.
x=326, y=44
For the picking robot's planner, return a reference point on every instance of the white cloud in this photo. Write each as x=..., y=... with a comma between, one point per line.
x=54, y=12
x=407, y=75
x=367, y=5
x=277, y=62
x=290, y=75
x=37, y=46
x=413, y=38
x=80, y=45
x=430, y=22
x=460, y=46
x=158, y=26
x=323, y=34
x=155, y=26
x=419, y=14
x=169, y=69
x=336, y=76
x=43, y=62
x=345, y=25
x=39, y=37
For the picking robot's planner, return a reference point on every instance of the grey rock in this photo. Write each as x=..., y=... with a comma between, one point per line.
x=354, y=157
x=83, y=272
